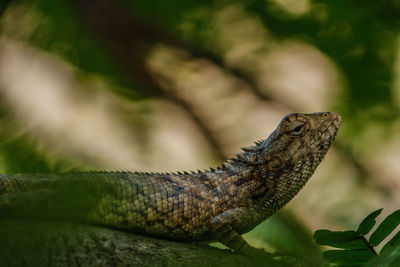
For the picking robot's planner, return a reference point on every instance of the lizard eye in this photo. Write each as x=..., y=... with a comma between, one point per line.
x=296, y=128
x=294, y=125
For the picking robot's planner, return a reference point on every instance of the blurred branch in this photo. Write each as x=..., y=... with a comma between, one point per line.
x=215, y=144
x=39, y=243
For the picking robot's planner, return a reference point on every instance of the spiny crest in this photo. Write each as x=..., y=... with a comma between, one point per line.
x=150, y=173
x=223, y=166
x=240, y=158
x=259, y=142
x=246, y=156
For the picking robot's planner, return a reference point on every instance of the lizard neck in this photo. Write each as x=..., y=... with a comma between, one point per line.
x=263, y=193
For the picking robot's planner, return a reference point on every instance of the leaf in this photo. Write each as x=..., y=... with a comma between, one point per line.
x=385, y=228
x=368, y=223
x=394, y=242
x=338, y=239
x=354, y=256
x=390, y=258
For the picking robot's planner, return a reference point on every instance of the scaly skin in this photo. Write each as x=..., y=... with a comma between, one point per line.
x=214, y=205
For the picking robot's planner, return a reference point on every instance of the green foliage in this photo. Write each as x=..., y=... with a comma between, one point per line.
x=20, y=155
x=356, y=248
x=388, y=258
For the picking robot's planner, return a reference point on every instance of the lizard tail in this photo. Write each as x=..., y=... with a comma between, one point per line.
x=45, y=197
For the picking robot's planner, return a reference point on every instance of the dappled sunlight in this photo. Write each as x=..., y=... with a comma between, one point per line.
x=19, y=22
x=242, y=36
x=295, y=7
x=293, y=72
x=45, y=105
x=48, y=104
x=230, y=112
x=298, y=74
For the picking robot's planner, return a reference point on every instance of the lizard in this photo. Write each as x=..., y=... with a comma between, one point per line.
x=206, y=206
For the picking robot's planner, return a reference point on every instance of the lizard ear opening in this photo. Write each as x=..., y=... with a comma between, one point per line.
x=274, y=163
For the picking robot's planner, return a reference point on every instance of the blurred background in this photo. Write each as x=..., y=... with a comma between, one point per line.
x=182, y=85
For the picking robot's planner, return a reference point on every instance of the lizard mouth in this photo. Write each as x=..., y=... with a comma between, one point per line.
x=315, y=152
x=337, y=120
x=333, y=127
x=321, y=145
x=331, y=130
x=325, y=136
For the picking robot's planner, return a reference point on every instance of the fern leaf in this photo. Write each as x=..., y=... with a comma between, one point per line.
x=388, y=258
x=394, y=242
x=356, y=249
x=340, y=239
x=385, y=228
x=353, y=256
x=368, y=223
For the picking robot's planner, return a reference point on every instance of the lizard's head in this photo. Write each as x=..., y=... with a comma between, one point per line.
x=288, y=158
x=299, y=143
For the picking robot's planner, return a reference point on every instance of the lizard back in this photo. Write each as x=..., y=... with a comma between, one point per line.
x=165, y=205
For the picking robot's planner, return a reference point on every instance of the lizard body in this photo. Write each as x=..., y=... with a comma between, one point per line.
x=213, y=205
